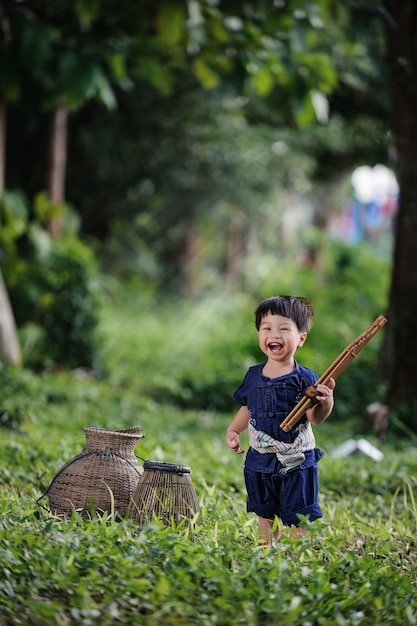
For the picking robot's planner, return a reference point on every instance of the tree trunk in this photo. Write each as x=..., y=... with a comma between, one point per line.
x=57, y=163
x=9, y=344
x=190, y=261
x=3, y=117
x=235, y=250
x=400, y=345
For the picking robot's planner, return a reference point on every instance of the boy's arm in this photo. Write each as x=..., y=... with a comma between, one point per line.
x=238, y=425
x=318, y=413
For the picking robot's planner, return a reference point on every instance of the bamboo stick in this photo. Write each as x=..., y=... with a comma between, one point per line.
x=333, y=371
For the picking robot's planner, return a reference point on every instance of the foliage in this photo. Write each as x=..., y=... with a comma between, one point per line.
x=46, y=50
x=189, y=176
x=56, y=302
x=14, y=220
x=356, y=567
x=175, y=166
x=180, y=364
x=167, y=165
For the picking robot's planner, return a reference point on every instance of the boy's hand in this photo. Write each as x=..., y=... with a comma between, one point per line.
x=325, y=393
x=232, y=440
x=324, y=405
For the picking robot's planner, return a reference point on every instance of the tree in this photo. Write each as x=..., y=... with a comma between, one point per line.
x=73, y=67
x=47, y=56
x=9, y=344
x=66, y=45
x=289, y=60
x=400, y=347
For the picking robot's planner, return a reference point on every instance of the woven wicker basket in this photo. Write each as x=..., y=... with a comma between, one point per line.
x=166, y=491
x=104, y=475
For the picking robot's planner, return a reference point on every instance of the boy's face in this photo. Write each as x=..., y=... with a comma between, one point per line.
x=279, y=337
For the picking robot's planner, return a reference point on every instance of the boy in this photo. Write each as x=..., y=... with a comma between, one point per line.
x=281, y=473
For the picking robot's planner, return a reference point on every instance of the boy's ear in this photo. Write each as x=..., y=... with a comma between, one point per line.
x=303, y=337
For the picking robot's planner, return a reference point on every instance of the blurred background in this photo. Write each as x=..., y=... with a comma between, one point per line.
x=165, y=165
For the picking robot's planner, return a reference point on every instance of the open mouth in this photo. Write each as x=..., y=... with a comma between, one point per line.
x=275, y=347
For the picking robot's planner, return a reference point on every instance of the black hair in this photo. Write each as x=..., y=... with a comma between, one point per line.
x=300, y=310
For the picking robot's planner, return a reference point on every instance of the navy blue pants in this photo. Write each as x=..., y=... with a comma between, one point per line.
x=284, y=495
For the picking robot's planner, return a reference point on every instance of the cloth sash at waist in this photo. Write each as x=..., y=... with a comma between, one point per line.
x=290, y=455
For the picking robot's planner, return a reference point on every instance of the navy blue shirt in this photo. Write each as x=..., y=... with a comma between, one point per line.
x=269, y=400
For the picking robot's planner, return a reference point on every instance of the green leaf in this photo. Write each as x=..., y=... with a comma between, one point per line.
x=170, y=24
x=305, y=113
x=103, y=89
x=153, y=70
x=35, y=48
x=44, y=209
x=162, y=587
x=87, y=10
x=39, y=239
x=218, y=32
x=14, y=217
x=80, y=79
x=321, y=71
x=207, y=77
x=117, y=63
x=262, y=81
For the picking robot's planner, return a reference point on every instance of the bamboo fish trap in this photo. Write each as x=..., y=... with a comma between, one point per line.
x=166, y=491
x=103, y=475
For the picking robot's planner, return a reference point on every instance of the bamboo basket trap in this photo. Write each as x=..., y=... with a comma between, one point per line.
x=165, y=490
x=103, y=476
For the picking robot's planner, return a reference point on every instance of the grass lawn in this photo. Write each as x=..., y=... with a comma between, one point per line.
x=357, y=566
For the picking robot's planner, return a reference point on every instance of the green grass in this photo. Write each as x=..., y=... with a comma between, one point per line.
x=356, y=567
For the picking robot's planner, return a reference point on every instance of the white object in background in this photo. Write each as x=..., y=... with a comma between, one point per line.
x=357, y=445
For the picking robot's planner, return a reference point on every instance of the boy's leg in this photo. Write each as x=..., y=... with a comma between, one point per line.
x=299, y=496
x=265, y=531
x=297, y=532
x=264, y=502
